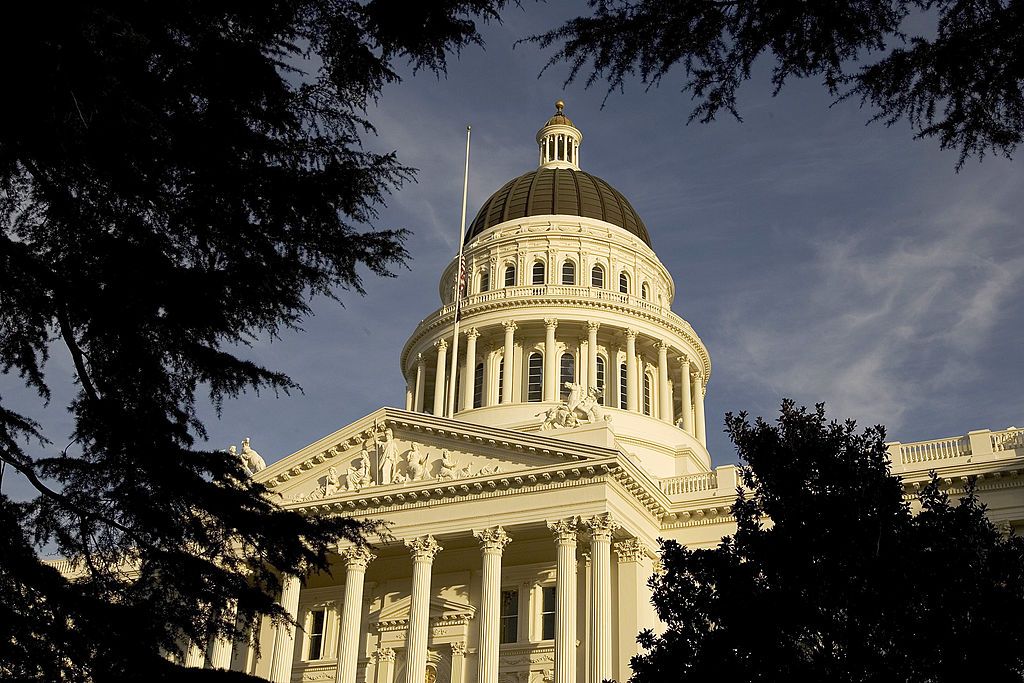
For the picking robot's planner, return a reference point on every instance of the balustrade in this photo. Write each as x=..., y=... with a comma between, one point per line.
x=690, y=483
x=936, y=449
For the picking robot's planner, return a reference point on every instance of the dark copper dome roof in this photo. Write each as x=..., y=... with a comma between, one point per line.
x=561, y=191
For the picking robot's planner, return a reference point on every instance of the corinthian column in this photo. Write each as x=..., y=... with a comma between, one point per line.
x=492, y=542
x=220, y=651
x=284, y=639
x=550, y=360
x=194, y=656
x=356, y=561
x=469, y=371
x=664, y=400
x=631, y=399
x=421, y=375
x=685, y=397
x=506, y=380
x=699, y=429
x=601, y=529
x=442, y=363
x=565, y=596
x=423, y=550
x=592, y=355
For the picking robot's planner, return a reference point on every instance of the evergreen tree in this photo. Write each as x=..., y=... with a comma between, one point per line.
x=176, y=180
x=952, y=69
x=830, y=577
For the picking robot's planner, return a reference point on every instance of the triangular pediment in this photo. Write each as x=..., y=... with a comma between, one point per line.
x=391, y=450
x=441, y=608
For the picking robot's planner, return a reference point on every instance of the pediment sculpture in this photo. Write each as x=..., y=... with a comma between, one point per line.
x=581, y=406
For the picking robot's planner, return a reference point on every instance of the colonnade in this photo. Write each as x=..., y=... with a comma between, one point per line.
x=599, y=530
x=676, y=371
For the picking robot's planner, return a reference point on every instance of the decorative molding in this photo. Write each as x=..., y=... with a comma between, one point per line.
x=630, y=550
x=357, y=557
x=423, y=549
x=602, y=526
x=492, y=540
x=458, y=649
x=565, y=530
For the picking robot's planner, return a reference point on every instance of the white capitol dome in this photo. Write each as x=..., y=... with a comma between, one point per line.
x=563, y=287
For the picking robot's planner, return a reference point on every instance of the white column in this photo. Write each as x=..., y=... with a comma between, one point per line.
x=423, y=550
x=698, y=408
x=685, y=396
x=632, y=599
x=195, y=656
x=440, y=376
x=506, y=380
x=631, y=386
x=220, y=651
x=601, y=528
x=492, y=542
x=550, y=360
x=592, y=355
x=469, y=370
x=409, y=396
x=565, y=596
x=458, y=661
x=356, y=561
x=284, y=638
x=664, y=400
x=385, y=657
x=421, y=373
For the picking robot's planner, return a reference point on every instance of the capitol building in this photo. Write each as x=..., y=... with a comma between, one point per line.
x=525, y=502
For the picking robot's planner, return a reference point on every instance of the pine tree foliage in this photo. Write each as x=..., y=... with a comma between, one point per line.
x=952, y=69
x=830, y=577
x=177, y=179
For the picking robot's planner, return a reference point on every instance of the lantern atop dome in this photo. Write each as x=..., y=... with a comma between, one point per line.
x=559, y=141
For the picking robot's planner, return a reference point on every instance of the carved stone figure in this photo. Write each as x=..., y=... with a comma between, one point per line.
x=358, y=474
x=575, y=396
x=333, y=482
x=491, y=469
x=250, y=458
x=416, y=463
x=388, y=458
x=591, y=406
x=450, y=468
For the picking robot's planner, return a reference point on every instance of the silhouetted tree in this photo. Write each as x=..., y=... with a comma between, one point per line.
x=953, y=69
x=829, y=577
x=176, y=180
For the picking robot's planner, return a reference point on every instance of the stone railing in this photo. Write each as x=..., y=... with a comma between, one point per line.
x=689, y=483
x=935, y=449
x=976, y=446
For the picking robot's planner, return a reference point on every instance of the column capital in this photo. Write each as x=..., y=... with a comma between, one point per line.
x=602, y=526
x=593, y=325
x=684, y=359
x=550, y=323
x=509, y=325
x=441, y=345
x=458, y=648
x=662, y=345
x=630, y=333
x=472, y=333
x=696, y=373
x=565, y=530
x=356, y=557
x=384, y=654
x=424, y=548
x=420, y=360
x=494, y=538
x=630, y=550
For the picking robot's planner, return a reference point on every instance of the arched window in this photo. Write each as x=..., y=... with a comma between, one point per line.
x=645, y=291
x=623, y=283
x=510, y=275
x=647, y=393
x=538, y=273
x=478, y=385
x=501, y=378
x=535, y=378
x=485, y=280
x=567, y=373
x=600, y=380
x=597, y=277
x=622, y=386
x=568, y=273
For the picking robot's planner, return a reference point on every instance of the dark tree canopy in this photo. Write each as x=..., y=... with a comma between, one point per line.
x=176, y=180
x=829, y=577
x=962, y=81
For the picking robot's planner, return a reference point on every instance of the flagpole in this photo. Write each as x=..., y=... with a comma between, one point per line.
x=458, y=286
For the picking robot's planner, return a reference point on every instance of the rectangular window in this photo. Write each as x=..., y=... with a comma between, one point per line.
x=478, y=385
x=547, y=613
x=317, y=619
x=501, y=378
x=647, y=394
x=600, y=380
x=509, y=616
x=622, y=386
x=535, y=384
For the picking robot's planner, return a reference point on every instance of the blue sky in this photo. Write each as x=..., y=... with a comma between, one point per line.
x=817, y=257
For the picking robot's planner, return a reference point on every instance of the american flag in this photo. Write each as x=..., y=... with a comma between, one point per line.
x=462, y=277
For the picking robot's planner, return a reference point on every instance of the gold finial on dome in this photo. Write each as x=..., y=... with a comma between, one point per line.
x=559, y=106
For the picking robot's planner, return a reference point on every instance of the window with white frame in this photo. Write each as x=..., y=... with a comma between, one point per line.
x=567, y=373
x=547, y=612
x=538, y=273
x=647, y=393
x=597, y=277
x=535, y=377
x=485, y=280
x=510, y=275
x=623, y=383
x=509, y=630
x=568, y=273
x=623, y=283
x=316, y=629
x=600, y=380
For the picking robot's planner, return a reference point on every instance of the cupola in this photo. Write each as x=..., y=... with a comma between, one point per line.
x=559, y=141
